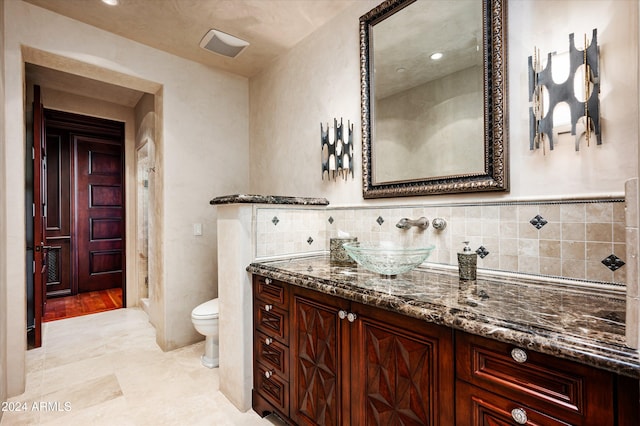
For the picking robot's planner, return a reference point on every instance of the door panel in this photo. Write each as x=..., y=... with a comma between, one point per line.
x=99, y=213
x=319, y=364
x=58, y=258
x=58, y=215
x=402, y=370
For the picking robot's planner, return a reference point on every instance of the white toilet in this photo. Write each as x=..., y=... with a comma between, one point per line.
x=205, y=320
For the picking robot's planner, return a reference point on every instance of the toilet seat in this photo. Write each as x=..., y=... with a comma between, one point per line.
x=206, y=310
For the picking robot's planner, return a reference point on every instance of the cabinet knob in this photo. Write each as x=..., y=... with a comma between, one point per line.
x=519, y=416
x=268, y=280
x=268, y=374
x=351, y=317
x=519, y=355
x=268, y=307
x=268, y=341
x=342, y=314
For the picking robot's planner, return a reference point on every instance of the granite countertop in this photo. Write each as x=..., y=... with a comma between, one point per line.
x=268, y=199
x=579, y=324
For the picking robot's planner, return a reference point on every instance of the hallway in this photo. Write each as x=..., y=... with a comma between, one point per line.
x=106, y=369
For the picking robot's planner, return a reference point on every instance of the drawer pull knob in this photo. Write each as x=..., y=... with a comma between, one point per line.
x=342, y=314
x=518, y=355
x=268, y=341
x=268, y=281
x=351, y=317
x=268, y=374
x=268, y=307
x=519, y=416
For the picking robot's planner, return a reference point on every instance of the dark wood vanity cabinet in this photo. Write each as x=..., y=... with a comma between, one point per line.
x=502, y=384
x=351, y=364
x=323, y=360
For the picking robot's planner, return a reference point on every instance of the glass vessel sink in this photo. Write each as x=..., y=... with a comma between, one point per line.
x=387, y=258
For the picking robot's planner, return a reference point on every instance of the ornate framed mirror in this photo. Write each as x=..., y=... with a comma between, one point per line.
x=434, y=93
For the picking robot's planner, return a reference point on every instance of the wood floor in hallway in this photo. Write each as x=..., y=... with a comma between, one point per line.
x=82, y=304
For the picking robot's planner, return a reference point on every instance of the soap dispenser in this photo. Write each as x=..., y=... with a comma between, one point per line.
x=467, y=263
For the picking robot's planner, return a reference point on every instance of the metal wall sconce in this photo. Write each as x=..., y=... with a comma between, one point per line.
x=337, y=149
x=585, y=115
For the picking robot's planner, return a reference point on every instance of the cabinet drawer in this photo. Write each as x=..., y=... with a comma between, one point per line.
x=475, y=406
x=554, y=386
x=271, y=320
x=272, y=388
x=271, y=291
x=272, y=354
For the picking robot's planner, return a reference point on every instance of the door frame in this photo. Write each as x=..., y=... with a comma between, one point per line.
x=76, y=122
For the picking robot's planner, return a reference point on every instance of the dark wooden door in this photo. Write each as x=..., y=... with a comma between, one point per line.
x=402, y=370
x=319, y=366
x=99, y=213
x=39, y=220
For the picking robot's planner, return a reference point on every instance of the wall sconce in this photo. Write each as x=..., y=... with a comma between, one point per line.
x=337, y=149
x=580, y=92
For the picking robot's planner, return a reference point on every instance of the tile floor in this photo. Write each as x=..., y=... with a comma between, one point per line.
x=106, y=369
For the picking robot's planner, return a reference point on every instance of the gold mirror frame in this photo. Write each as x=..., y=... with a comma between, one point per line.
x=496, y=164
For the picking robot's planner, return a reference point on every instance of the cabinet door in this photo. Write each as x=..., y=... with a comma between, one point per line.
x=402, y=370
x=319, y=343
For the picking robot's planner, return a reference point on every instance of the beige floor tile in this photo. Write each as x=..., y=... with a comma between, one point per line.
x=109, y=369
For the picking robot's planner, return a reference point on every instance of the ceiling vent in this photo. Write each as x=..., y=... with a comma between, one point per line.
x=223, y=43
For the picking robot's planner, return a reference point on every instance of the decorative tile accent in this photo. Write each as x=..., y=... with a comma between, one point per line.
x=577, y=235
x=613, y=262
x=538, y=222
x=309, y=240
x=482, y=252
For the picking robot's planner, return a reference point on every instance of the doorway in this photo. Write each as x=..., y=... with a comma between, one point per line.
x=135, y=103
x=81, y=214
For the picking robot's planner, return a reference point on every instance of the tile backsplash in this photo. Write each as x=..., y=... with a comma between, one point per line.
x=582, y=240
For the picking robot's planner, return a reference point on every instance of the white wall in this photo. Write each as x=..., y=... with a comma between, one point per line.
x=319, y=79
x=203, y=113
x=3, y=229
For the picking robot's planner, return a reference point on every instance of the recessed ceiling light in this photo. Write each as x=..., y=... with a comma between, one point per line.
x=436, y=56
x=223, y=43
x=401, y=69
x=111, y=2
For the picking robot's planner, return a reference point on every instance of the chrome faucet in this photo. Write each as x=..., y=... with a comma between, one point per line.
x=406, y=223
